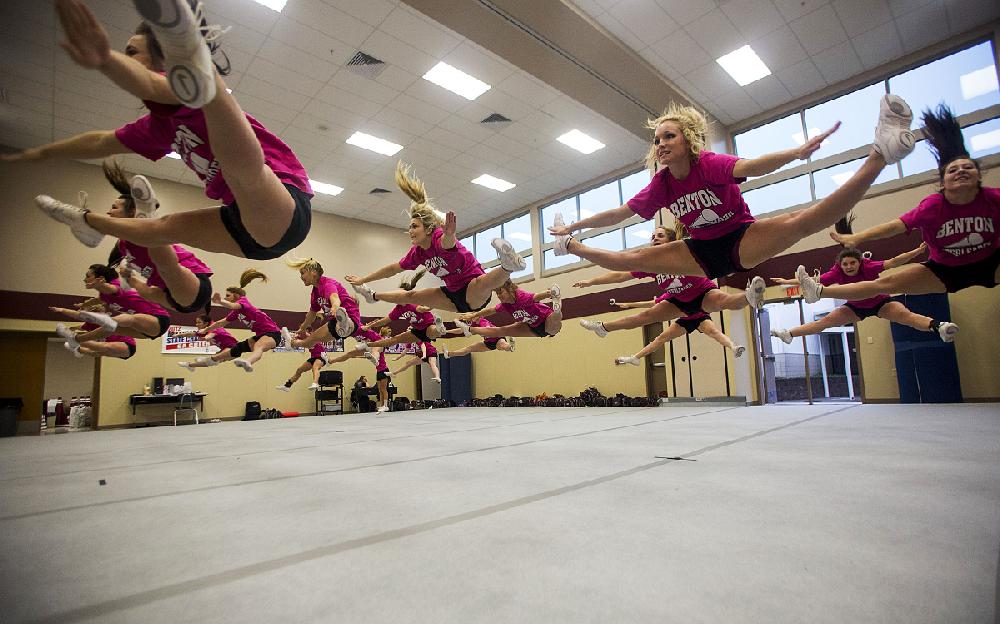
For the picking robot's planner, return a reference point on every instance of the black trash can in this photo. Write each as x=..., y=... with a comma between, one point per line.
x=10, y=409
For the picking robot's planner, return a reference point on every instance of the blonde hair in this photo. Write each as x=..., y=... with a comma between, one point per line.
x=245, y=278
x=409, y=283
x=305, y=264
x=420, y=206
x=508, y=286
x=692, y=124
x=385, y=331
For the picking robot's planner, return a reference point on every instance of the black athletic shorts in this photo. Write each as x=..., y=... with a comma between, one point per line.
x=313, y=360
x=131, y=351
x=458, y=298
x=955, y=278
x=164, y=326
x=690, y=325
x=491, y=343
x=201, y=300
x=295, y=234
x=690, y=307
x=245, y=346
x=864, y=313
x=380, y=375
x=719, y=257
x=421, y=334
x=539, y=331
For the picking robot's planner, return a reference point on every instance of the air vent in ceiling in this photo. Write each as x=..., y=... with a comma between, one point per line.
x=378, y=191
x=496, y=121
x=365, y=65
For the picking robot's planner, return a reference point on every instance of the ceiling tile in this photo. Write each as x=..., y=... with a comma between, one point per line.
x=403, y=121
x=419, y=109
x=966, y=14
x=313, y=41
x=819, y=30
x=779, y=49
x=712, y=80
x=716, y=34
x=794, y=9
x=436, y=96
x=385, y=47
x=922, y=26
x=250, y=14
x=478, y=63
x=281, y=77
x=878, y=46
x=859, y=16
x=297, y=61
x=753, y=18
x=335, y=22
x=370, y=11
x=768, y=92
x=366, y=88
x=682, y=52
x=801, y=79
x=902, y=7
x=413, y=28
x=526, y=88
x=684, y=11
x=620, y=31
x=340, y=121
x=274, y=95
x=838, y=62
x=646, y=21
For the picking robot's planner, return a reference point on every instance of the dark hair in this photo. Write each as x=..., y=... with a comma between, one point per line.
x=849, y=252
x=845, y=225
x=205, y=318
x=119, y=178
x=409, y=283
x=944, y=137
x=222, y=65
x=103, y=270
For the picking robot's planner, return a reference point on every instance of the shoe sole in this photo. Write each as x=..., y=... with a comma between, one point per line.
x=344, y=326
x=151, y=11
x=504, y=248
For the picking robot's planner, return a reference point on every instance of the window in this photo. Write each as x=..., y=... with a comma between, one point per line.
x=777, y=196
x=859, y=113
x=920, y=160
x=568, y=209
x=484, y=244
x=552, y=261
x=518, y=232
x=966, y=81
x=605, y=197
x=638, y=235
x=830, y=179
x=780, y=134
x=529, y=269
x=983, y=138
x=634, y=183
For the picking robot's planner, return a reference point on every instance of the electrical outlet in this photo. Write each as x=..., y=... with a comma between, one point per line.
x=871, y=340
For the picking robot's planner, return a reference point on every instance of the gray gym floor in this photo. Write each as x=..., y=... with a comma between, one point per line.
x=833, y=513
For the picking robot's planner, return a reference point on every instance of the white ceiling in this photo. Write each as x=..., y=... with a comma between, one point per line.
x=807, y=44
x=289, y=72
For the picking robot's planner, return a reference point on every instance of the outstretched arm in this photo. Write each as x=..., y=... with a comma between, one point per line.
x=612, y=277
x=387, y=271
x=601, y=219
x=884, y=230
x=450, y=223
x=905, y=257
x=785, y=281
x=219, y=301
x=633, y=305
x=95, y=144
x=376, y=323
x=307, y=322
x=469, y=317
x=763, y=165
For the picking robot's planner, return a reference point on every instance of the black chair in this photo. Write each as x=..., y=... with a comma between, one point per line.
x=330, y=394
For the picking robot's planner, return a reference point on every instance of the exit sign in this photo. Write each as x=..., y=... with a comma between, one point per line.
x=793, y=291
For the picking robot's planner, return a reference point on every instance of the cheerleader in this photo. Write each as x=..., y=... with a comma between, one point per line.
x=689, y=324
x=531, y=317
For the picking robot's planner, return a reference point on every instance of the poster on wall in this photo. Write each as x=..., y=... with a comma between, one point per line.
x=331, y=346
x=403, y=347
x=181, y=339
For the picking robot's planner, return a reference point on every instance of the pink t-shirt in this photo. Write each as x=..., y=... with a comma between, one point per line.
x=431, y=350
x=456, y=266
x=408, y=313
x=708, y=201
x=129, y=302
x=258, y=322
x=382, y=365
x=958, y=234
x=483, y=322
x=679, y=287
x=367, y=335
x=168, y=128
x=868, y=271
x=140, y=257
x=317, y=350
x=220, y=338
x=525, y=309
x=129, y=340
x=319, y=299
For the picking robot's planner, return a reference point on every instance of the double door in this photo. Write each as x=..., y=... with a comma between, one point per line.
x=693, y=365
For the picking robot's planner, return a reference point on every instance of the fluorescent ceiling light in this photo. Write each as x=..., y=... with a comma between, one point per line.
x=326, y=189
x=744, y=65
x=800, y=138
x=274, y=5
x=985, y=141
x=374, y=144
x=174, y=155
x=456, y=81
x=580, y=142
x=493, y=183
x=979, y=82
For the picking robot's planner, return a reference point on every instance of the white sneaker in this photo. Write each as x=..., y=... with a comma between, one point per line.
x=444, y=352
x=186, y=365
x=510, y=341
x=893, y=139
x=73, y=216
x=283, y=388
x=344, y=325
x=184, y=38
x=384, y=408
x=463, y=326
x=556, y=294
x=145, y=200
x=739, y=350
x=436, y=379
x=313, y=386
x=245, y=365
x=812, y=290
x=286, y=339
x=361, y=345
x=947, y=331
x=99, y=318
x=562, y=241
x=755, y=292
x=390, y=374
x=68, y=335
x=206, y=361
x=439, y=325
x=782, y=334
x=627, y=359
x=595, y=326
x=371, y=357
x=75, y=350
x=510, y=260
x=365, y=291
